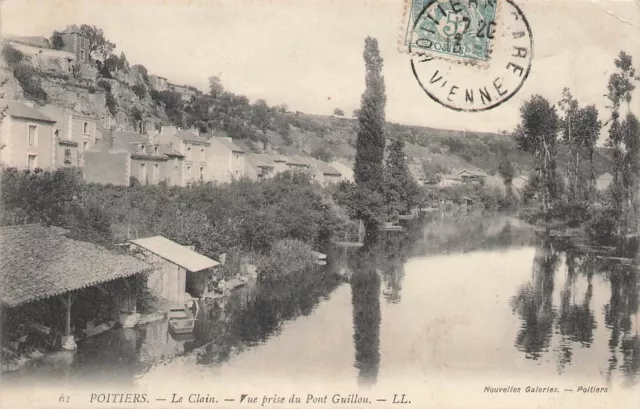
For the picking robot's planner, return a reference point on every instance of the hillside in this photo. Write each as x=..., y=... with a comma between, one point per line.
x=126, y=94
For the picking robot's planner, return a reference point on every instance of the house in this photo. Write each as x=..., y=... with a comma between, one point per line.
x=449, y=180
x=185, y=91
x=192, y=146
x=178, y=269
x=322, y=172
x=258, y=166
x=226, y=159
x=158, y=83
x=603, y=181
x=27, y=138
x=472, y=176
x=298, y=163
x=75, y=133
x=123, y=155
x=31, y=41
x=346, y=171
x=53, y=275
x=77, y=43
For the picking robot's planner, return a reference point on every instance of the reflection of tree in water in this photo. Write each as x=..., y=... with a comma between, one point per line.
x=619, y=314
x=365, y=293
x=251, y=317
x=395, y=251
x=576, y=322
x=534, y=303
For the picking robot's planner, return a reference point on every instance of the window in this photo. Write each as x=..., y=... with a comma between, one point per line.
x=85, y=146
x=156, y=173
x=202, y=154
x=32, y=162
x=142, y=147
x=188, y=172
x=67, y=156
x=143, y=173
x=85, y=128
x=81, y=55
x=189, y=153
x=175, y=163
x=155, y=150
x=201, y=173
x=33, y=137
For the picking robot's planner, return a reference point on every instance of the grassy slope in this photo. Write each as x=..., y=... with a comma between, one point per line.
x=440, y=149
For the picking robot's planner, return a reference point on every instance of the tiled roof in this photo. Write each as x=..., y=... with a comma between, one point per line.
x=36, y=41
x=190, y=136
x=228, y=143
x=323, y=167
x=297, y=160
x=20, y=110
x=169, y=151
x=176, y=253
x=39, y=262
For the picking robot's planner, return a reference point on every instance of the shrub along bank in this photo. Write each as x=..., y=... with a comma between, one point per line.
x=244, y=215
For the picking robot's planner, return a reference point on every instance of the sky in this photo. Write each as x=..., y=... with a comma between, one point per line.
x=308, y=53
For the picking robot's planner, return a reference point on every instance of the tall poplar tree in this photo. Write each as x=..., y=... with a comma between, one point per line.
x=369, y=167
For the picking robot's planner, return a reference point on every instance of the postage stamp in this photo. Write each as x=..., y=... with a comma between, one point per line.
x=446, y=65
x=458, y=30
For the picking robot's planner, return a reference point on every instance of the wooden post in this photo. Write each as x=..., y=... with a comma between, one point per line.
x=68, y=342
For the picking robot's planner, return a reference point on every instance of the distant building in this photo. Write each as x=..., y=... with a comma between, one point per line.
x=417, y=173
x=27, y=138
x=449, y=180
x=158, y=83
x=123, y=155
x=75, y=133
x=345, y=170
x=604, y=181
x=77, y=43
x=32, y=41
x=259, y=166
x=178, y=269
x=226, y=159
x=185, y=91
x=322, y=172
x=194, y=149
x=467, y=175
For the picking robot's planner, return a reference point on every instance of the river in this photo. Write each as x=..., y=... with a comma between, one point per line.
x=450, y=298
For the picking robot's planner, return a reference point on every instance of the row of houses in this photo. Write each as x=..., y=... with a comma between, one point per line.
x=53, y=137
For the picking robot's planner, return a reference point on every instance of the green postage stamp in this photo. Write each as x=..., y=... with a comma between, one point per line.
x=458, y=30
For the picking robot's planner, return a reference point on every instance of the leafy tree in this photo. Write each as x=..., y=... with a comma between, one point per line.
x=338, y=112
x=508, y=172
x=57, y=41
x=12, y=55
x=143, y=72
x=123, y=64
x=370, y=143
x=537, y=135
x=322, y=153
x=215, y=87
x=619, y=91
x=571, y=138
x=99, y=46
x=400, y=190
x=630, y=129
x=30, y=83
x=588, y=127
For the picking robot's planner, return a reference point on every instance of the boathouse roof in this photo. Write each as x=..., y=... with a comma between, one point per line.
x=39, y=262
x=176, y=253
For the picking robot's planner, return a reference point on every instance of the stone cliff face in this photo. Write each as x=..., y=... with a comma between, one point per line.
x=79, y=87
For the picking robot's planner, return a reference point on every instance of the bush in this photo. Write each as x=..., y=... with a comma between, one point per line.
x=30, y=83
x=12, y=56
x=286, y=257
x=322, y=153
x=111, y=104
x=105, y=85
x=140, y=90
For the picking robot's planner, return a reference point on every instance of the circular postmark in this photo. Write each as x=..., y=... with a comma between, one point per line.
x=470, y=55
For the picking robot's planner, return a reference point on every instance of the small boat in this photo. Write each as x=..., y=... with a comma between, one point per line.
x=181, y=320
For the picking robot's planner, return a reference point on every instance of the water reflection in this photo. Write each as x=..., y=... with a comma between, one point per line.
x=575, y=319
x=365, y=298
x=534, y=303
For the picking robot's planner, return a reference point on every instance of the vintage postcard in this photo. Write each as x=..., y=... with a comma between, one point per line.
x=289, y=204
